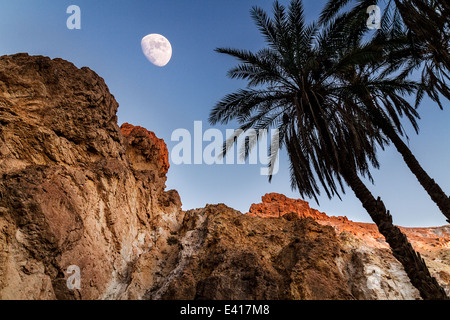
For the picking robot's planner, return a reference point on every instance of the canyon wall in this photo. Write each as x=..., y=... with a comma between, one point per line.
x=74, y=189
x=78, y=190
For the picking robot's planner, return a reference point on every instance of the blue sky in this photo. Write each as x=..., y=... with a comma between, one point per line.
x=165, y=99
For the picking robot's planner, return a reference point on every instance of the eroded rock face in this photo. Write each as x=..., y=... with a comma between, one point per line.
x=75, y=189
x=146, y=151
x=298, y=253
x=275, y=205
x=372, y=261
x=223, y=254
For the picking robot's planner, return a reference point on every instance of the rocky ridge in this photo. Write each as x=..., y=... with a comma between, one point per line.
x=276, y=205
x=76, y=189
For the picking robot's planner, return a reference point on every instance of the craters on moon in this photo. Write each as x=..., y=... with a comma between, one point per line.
x=157, y=49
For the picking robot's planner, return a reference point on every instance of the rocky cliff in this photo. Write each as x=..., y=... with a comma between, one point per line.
x=78, y=190
x=74, y=189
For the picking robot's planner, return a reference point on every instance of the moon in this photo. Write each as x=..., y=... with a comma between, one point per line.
x=157, y=49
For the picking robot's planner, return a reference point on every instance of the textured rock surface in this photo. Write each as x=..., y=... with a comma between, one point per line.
x=76, y=189
x=222, y=254
x=275, y=205
x=373, y=261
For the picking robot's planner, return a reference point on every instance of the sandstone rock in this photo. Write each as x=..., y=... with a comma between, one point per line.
x=146, y=149
x=75, y=189
x=369, y=246
x=276, y=205
x=225, y=255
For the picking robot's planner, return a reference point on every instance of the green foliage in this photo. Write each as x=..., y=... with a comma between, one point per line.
x=414, y=34
x=319, y=90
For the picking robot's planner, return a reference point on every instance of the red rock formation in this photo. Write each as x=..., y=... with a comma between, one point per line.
x=149, y=146
x=276, y=205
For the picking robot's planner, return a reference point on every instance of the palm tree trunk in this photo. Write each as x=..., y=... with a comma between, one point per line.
x=402, y=250
x=430, y=186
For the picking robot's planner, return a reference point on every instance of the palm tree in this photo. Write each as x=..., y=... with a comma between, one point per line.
x=295, y=85
x=427, y=23
x=414, y=34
